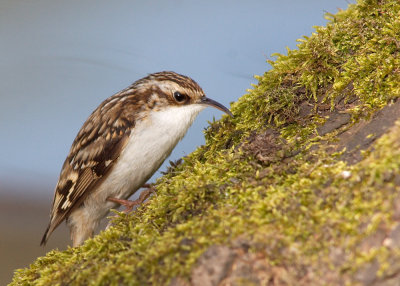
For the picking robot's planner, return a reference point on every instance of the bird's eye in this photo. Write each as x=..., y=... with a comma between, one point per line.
x=179, y=97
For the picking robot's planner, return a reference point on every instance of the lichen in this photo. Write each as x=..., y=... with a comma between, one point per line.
x=295, y=200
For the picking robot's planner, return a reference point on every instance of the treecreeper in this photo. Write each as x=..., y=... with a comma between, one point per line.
x=120, y=146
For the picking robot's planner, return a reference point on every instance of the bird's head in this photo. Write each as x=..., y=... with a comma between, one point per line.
x=169, y=89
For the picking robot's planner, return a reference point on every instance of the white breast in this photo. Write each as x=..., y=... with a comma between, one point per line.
x=151, y=142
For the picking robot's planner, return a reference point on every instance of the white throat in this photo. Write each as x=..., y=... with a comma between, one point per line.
x=172, y=123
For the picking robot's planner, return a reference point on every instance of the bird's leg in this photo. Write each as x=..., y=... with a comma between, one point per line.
x=128, y=204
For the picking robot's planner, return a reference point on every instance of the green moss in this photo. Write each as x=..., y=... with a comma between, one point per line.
x=298, y=207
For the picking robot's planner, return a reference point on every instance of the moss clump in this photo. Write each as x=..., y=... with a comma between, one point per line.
x=269, y=175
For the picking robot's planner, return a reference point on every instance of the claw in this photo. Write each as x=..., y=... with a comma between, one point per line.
x=128, y=204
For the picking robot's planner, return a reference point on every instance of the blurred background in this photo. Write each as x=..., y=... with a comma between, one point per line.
x=61, y=59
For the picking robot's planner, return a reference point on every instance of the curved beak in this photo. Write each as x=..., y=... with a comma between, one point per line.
x=208, y=101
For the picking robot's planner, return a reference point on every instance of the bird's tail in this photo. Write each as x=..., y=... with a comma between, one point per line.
x=46, y=235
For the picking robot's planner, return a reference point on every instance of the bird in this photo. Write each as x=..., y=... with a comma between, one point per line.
x=120, y=146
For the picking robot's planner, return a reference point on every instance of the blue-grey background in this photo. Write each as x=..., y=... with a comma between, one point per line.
x=60, y=59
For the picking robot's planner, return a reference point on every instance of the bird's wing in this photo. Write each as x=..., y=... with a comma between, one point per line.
x=93, y=154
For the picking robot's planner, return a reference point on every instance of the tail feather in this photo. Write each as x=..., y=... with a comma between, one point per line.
x=46, y=236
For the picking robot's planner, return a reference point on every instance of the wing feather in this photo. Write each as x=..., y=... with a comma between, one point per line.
x=92, y=155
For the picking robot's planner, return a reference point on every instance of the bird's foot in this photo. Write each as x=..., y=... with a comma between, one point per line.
x=128, y=204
